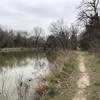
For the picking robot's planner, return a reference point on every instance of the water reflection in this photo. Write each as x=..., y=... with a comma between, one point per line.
x=20, y=74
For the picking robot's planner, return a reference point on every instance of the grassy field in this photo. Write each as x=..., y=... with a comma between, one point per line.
x=93, y=63
x=7, y=50
x=61, y=81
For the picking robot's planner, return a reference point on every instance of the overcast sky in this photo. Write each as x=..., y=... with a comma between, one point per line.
x=25, y=14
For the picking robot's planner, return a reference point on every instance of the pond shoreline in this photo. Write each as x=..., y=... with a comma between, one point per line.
x=9, y=50
x=57, y=78
x=23, y=71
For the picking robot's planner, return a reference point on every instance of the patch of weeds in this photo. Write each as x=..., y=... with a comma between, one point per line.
x=95, y=65
x=94, y=88
x=59, y=81
x=51, y=89
x=51, y=78
x=97, y=83
x=68, y=68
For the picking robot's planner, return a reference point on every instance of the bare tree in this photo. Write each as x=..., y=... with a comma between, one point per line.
x=73, y=37
x=60, y=31
x=89, y=16
x=37, y=32
x=87, y=10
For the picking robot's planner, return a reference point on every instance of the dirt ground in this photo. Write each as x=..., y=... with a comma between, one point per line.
x=83, y=80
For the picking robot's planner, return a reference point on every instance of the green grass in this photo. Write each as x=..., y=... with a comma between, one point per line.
x=8, y=50
x=93, y=90
x=60, y=82
x=95, y=65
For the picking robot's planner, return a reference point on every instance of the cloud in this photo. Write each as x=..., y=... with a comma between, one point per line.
x=25, y=14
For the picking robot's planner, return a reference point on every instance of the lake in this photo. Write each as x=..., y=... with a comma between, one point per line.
x=21, y=73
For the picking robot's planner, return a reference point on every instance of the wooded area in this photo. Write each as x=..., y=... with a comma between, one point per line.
x=89, y=16
x=62, y=37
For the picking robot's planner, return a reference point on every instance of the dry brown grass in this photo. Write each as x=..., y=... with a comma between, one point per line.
x=93, y=64
x=60, y=80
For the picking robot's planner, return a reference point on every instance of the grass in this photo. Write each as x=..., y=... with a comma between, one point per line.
x=7, y=50
x=60, y=81
x=95, y=65
x=93, y=90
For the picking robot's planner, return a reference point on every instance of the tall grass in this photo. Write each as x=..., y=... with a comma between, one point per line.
x=93, y=91
x=59, y=80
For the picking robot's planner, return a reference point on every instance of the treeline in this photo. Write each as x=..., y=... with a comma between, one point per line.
x=89, y=16
x=9, y=39
x=61, y=37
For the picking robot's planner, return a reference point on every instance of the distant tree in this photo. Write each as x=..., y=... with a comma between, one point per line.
x=51, y=42
x=10, y=38
x=37, y=32
x=89, y=15
x=59, y=30
x=73, y=38
x=84, y=41
x=88, y=11
x=17, y=40
x=4, y=38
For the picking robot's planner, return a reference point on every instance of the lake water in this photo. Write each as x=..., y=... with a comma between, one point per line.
x=21, y=74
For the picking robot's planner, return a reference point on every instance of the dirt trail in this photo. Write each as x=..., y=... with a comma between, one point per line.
x=83, y=81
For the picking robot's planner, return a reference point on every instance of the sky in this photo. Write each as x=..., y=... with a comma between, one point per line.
x=26, y=14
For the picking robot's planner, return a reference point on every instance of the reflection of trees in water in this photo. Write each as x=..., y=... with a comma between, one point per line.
x=22, y=87
x=20, y=58
x=20, y=90
x=12, y=59
x=4, y=90
x=40, y=63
